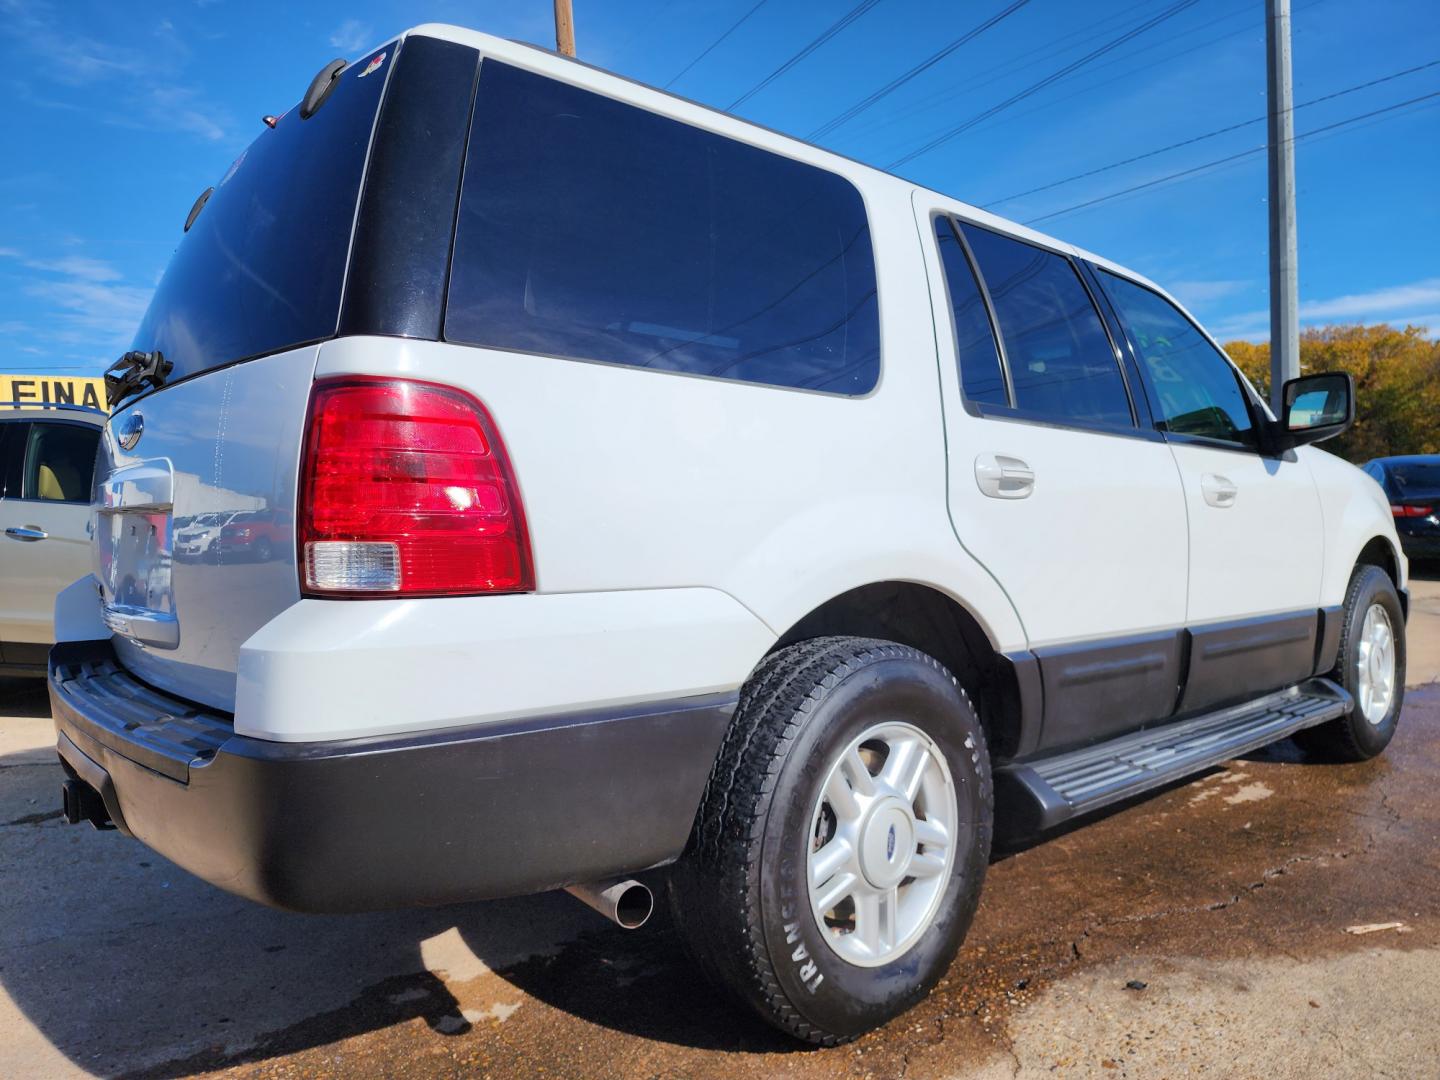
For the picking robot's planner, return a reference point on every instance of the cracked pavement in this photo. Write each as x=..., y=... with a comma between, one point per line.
x=1222, y=902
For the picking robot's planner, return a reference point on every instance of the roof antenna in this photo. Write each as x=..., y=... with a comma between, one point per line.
x=270, y=121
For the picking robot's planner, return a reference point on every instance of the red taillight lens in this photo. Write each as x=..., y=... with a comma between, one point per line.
x=407, y=491
x=1410, y=511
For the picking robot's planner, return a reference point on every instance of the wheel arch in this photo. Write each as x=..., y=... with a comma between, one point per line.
x=1004, y=688
x=1379, y=552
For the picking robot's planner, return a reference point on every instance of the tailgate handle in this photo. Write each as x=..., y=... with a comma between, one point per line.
x=144, y=486
x=16, y=532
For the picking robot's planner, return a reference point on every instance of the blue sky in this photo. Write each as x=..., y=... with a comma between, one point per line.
x=120, y=114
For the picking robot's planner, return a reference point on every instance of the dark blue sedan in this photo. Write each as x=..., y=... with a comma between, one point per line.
x=1412, y=485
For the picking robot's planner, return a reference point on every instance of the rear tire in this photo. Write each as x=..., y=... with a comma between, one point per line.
x=1371, y=617
x=743, y=895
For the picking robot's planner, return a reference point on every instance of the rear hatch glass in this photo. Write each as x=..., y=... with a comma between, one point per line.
x=263, y=265
x=195, y=487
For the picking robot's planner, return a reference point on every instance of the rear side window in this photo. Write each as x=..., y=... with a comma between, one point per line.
x=980, y=374
x=60, y=462
x=1198, y=391
x=1061, y=361
x=262, y=267
x=595, y=230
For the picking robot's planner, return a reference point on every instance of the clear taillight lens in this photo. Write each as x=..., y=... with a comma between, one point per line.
x=407, y=491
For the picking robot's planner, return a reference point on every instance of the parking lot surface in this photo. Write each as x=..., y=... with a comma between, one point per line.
x=1276, y=917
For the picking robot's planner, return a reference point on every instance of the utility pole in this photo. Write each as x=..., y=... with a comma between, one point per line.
x=565, y=29
x=1284, y=269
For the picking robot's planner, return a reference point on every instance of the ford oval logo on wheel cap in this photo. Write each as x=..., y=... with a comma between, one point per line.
x=890, y=845
x=129, y=430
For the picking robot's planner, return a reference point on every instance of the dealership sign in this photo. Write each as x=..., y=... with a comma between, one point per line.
x=37, y=391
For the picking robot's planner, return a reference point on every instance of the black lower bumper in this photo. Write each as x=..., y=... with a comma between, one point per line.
x=496, y=810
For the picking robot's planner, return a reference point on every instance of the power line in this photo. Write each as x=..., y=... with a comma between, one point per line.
x=1034, y=88
x=1230, y=158
x=840, y=24
x=1131, y=72
x=920, y=68
x=1208, y=135
x=1029, y=58
x=709, y=48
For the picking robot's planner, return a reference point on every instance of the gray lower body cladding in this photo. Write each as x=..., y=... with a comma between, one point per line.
x=440, y=817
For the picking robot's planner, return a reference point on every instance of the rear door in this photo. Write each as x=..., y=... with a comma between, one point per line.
x=1055, y=485
x=44, y=511
x=1256, y=533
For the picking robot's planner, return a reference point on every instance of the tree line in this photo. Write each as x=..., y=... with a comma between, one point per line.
x=1397, y=384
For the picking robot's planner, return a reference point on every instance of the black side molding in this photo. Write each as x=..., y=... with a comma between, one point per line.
x=1233, y=661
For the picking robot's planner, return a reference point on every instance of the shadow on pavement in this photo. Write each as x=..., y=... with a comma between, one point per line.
x=24, y=697
x=128, y=966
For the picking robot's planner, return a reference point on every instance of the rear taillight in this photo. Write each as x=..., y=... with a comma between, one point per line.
x=1410, y=511
x=407, y=491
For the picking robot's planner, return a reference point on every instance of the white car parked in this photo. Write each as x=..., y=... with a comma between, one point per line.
x=196, y=538
x=47, y=462
x=647, y=489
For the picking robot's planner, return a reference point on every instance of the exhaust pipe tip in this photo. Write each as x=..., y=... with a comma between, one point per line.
x=626, y=902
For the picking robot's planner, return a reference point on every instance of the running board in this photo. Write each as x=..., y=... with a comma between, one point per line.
x=1039, y=795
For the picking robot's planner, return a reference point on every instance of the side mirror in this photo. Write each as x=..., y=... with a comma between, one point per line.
x=1317, y=407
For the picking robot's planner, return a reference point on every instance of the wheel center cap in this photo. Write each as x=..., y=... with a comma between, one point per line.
x=887, y=843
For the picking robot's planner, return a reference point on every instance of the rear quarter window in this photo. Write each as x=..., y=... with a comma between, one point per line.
x=594, y=230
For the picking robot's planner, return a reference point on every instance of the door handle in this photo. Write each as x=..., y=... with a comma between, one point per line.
x=1218, y=490
x=15, y=532
x=1002, y=477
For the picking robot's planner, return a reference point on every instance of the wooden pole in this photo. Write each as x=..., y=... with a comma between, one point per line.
x=564, y=28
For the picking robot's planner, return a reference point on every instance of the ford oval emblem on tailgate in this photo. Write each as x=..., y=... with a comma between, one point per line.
x=129, y=430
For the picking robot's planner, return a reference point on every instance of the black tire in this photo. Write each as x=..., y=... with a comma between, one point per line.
x=739, y=894
x=1353, y=737
x=263, y=550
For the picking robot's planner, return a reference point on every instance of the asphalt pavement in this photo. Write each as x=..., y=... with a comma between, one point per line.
x=1276, y=917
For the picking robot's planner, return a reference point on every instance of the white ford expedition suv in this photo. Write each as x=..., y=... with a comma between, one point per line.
x=634, y=487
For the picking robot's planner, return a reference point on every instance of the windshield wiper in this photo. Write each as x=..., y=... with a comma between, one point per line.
x=132, y=373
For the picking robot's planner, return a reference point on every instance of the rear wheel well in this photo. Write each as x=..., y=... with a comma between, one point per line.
x=928, y=620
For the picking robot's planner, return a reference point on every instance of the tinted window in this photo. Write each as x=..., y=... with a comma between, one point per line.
x=13, y=436
x=980, y=373
x=1061, y=361
x=595, y=230
x=60, y=462
x=1198, y=391
x=262, y=267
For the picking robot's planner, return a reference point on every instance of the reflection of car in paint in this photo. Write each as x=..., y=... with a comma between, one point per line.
x=785, y=541
x=47, y=458
x=194, y=539
x=253, y=535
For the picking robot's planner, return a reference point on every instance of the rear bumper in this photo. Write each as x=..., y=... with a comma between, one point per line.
x=502, y=809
